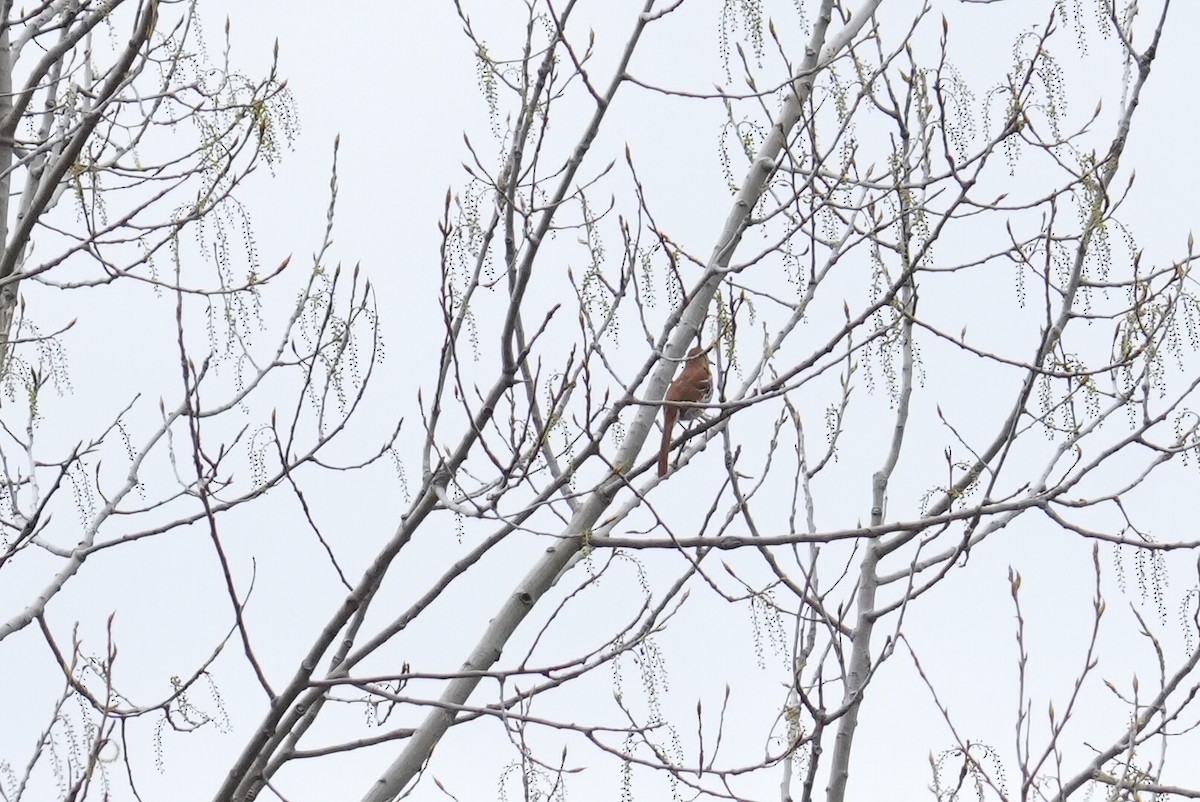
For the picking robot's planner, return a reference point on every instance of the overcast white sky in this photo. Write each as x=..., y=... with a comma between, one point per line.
x=397, y=82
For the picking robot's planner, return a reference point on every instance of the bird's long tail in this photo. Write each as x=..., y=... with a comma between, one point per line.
x=664, y=451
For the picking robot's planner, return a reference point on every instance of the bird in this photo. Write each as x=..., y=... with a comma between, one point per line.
x=694, y=385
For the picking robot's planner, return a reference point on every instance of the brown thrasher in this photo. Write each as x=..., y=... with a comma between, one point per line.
x=694, y=385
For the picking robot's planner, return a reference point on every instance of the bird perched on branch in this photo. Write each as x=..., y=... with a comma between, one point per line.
x=694, y=385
